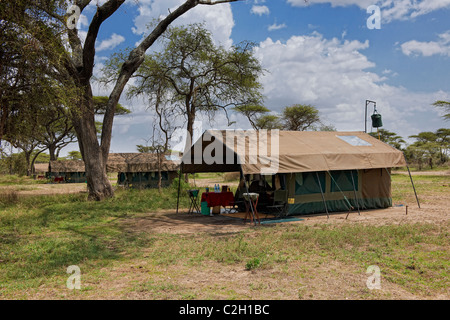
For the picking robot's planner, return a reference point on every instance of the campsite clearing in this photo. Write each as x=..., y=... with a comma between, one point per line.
x=125, y=251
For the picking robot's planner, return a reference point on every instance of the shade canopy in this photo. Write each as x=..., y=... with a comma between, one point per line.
x=275, y=151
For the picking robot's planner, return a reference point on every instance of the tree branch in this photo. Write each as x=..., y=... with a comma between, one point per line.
x=133, y=62
x=103, y=13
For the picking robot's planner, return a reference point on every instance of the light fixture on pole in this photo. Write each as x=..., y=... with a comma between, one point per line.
x=365, y=115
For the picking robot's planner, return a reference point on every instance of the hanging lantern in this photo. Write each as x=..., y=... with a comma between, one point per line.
x=376, y=120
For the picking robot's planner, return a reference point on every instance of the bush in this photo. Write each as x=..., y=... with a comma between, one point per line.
x=253, y=264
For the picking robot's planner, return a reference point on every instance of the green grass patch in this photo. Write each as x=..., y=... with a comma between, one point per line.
x=426, y=185
x=40, y=236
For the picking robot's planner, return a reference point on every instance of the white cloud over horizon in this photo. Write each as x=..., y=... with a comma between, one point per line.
x=390, y=10
x=430, y=48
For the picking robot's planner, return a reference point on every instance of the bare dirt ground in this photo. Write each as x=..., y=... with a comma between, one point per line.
x=183, y=223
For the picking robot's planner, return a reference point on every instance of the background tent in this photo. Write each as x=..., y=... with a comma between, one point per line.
x=71, y=171
x=319, y=171
x=139, y=170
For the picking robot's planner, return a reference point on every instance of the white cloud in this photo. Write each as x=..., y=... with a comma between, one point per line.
x=335, y=76
x=260, y=10
x=427, y=49
x=391, y=9
x=110, y=43
x=276, y=26
x=218, y=18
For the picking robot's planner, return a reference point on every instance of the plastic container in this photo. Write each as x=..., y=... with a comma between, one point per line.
x=205, y=209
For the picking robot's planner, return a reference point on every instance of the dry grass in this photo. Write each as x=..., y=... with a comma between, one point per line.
x=126, y=250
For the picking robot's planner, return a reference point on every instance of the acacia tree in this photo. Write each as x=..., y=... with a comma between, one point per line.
x=445, y=105
x=426, y=148
x=300, y=117
x=268, y=122
x=253, y=113
x=390, y=138
x=195, y=75
x=46, y=21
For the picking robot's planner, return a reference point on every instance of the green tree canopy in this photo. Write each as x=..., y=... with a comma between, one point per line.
x=300, y=117
x=252, y=112
x=269, y=122
x=390, y=138
x=445, y=105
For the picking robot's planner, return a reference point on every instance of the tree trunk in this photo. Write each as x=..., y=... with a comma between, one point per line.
x=98, y=183
x=159, y=172
x=52, y=152
x=28, y=161
x=190, y=137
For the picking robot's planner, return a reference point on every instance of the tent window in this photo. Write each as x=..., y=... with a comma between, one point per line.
x=307, y=183
x=164, y=175
x=342, y=180
x=354, y=141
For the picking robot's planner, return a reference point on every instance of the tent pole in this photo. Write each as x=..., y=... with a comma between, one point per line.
x=354, y=191
x=250, y=200
x=412, y=182
x=323, y=197
x=179, y=186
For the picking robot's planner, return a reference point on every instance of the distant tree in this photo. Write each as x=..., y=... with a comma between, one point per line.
x=443, y=140
x=424, y=149
x=253, y=113
x=445, y=105
x=300, y=117
x=390, y=138
x=74, y=155
x=101, y=103
x=269, y=122
x=144, y=149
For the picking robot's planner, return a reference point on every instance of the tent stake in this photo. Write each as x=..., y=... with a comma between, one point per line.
x=179, y=186
x=323, y=197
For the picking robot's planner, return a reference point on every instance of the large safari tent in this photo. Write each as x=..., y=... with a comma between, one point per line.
x=316, y=171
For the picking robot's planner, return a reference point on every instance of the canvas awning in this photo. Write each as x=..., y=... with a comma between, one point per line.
x=288, y=151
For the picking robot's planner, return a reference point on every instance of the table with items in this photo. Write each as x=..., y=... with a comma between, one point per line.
x=216, y=199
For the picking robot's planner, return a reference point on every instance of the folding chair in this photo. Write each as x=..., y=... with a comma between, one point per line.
x=193, y=195
x=237, y=205
x=279, y=203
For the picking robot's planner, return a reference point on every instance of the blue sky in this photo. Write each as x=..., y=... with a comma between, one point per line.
x=320, y=53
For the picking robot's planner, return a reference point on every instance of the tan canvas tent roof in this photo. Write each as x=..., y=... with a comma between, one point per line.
x=67, y=166
x=121, y=162
x=139, y=162
x=288, y=151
